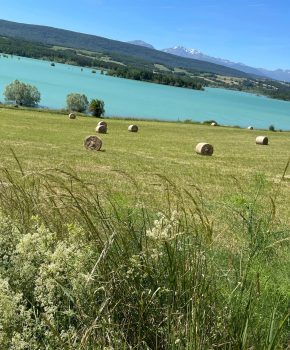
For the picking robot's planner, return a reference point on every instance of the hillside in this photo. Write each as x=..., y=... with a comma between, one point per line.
x=61, y=37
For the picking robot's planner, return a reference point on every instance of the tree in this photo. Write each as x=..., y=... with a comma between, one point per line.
x=21, y=93
x=77, y=102
x=272, y=127
x=96, y=107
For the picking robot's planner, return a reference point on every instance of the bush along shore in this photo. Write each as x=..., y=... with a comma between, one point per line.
x=80, y=270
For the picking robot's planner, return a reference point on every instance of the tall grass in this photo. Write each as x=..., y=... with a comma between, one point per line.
x=79, y=270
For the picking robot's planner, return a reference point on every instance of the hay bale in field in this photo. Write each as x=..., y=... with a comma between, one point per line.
x=250, y=127
x=204, y=149
x=262, y=140
x=93, y=143
x=102, y=123
x=213, y=124
x=72, y=116
x=133, y=128
x=101, y=129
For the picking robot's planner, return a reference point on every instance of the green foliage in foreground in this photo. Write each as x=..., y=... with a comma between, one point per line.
x=79, y=270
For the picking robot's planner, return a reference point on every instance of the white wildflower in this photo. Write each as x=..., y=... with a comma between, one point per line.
x=164, y=228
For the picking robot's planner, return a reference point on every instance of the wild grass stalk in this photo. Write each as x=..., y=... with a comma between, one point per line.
x=79, y=270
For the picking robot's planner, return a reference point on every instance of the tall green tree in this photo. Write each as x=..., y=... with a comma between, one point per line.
x=77, y=102
x=96, y=107
x=22, y=94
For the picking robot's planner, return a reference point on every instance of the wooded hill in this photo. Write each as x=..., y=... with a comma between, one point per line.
x=61, y=37
x=113, y=65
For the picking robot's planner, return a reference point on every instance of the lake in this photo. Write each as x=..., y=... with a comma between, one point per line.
x=128, y=98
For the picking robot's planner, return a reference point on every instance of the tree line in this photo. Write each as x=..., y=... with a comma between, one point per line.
x=28, y=95
x=165, y=79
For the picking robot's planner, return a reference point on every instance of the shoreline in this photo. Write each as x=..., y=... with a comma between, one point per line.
x=124, y=99
x=64, y=112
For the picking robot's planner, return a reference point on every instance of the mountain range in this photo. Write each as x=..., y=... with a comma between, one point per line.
x=181, y=51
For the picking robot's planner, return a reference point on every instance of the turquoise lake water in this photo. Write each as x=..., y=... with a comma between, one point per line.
x=128, y=98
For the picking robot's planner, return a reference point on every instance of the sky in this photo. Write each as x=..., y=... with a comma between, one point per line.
x=254, y=32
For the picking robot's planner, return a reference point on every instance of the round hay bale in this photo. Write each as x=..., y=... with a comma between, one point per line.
x=72, y=116
x=102, y=123
x=262, y=140
x=250, y=127
x=93, y=143
x=213, y=124
x=101, y=129
x=133, y=128
x=204, y=149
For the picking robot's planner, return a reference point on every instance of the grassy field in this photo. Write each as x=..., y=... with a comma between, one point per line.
x=145, y=244
x=44, y=140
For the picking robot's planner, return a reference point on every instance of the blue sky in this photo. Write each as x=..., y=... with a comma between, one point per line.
x=255, y=32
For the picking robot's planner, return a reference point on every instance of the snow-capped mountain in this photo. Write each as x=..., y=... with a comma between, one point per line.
x=184, y=52
x=278, y=74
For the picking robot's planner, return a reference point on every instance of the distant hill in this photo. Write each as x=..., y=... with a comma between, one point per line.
x=278, y=74
x=181, y=51
x=141, y=43
x=61, y=37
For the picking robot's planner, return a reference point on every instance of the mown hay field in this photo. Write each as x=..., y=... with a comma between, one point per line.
x=44, y=140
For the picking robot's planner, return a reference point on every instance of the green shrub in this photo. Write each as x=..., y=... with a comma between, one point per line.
x=77, y=102
x=272, y=127
x=210, y=121
x=21, y=93
x=97, y=107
